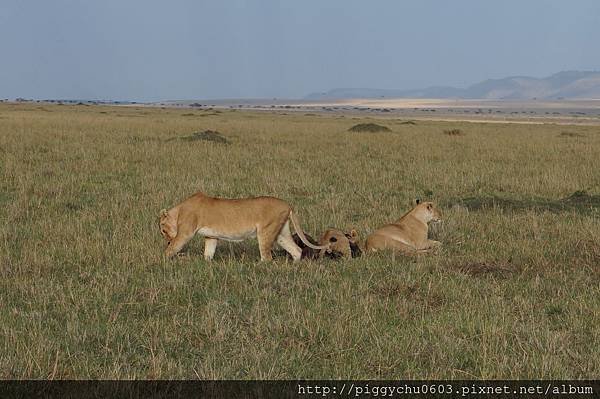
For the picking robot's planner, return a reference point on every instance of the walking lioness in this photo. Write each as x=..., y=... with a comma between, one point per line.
x=266, y=218
x=407, y=234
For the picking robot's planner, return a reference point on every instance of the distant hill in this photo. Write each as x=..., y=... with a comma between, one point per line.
x=562, y=85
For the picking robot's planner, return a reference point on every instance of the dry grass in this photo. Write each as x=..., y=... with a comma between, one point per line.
x=86, y=293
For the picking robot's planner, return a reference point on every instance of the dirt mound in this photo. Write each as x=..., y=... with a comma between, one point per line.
x=369, y=127
x=207, y=135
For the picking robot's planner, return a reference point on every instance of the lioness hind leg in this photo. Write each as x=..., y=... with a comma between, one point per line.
x=286, y=241
x=429, y=246
x=265, y=244
x=380, y=242
x=374, y=243
x=210, y=246
x=267, y=235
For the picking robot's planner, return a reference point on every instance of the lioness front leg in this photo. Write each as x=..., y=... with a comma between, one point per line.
x=433, y=244
x=210, y=246
x=429, y=246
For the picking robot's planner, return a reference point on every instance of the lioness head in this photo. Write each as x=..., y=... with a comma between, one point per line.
x=428, y=212
x=168, y=229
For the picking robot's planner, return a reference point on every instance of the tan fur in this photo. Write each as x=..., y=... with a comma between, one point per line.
x=216, y=219
x=339, y=242
x=407, y=234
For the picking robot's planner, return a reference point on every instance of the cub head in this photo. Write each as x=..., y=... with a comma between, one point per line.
x=341, y=244
x=167, y=226
x=427, y=211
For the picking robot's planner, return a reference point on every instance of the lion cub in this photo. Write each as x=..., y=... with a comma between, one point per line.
x=266, y=218
x=407, y=234
x=341, y=245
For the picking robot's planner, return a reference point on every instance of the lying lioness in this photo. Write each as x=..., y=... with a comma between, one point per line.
x=341, y=245
x=407, y=234
x=216, y=219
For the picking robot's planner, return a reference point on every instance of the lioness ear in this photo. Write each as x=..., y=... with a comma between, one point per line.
x=353, y=233
x=164, y=213
x=418, y=201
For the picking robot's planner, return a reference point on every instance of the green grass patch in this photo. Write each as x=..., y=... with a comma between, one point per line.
x=580, y=201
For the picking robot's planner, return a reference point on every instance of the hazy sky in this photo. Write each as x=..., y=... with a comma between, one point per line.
x=194, y=49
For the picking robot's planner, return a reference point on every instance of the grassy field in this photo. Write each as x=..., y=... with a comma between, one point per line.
x=85, y=291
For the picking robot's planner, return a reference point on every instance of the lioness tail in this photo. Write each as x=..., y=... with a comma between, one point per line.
x=300, y=233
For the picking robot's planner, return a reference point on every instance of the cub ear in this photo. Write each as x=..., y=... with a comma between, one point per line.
x=418, y=201
x=353, y=233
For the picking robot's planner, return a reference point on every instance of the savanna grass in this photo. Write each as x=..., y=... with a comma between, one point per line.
x=86, y=293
